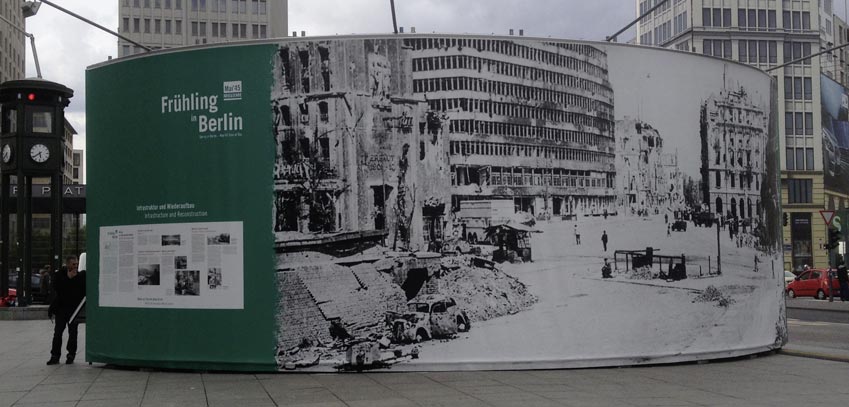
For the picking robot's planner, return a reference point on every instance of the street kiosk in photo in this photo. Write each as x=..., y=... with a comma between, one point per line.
x=430, y=202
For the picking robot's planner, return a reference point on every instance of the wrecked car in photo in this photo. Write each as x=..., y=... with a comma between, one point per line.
x=427, y=317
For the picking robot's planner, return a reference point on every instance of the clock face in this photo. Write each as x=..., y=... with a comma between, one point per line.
x=7, y=153
x=39, y=153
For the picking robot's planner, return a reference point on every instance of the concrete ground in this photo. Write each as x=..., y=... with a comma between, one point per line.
x=769, y=380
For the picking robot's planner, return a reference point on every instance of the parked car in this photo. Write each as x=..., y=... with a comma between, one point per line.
x=35, y=286
x=788, y=277
x=429, y=316
x=679, y=226
x=10, y=300
x=813, y=282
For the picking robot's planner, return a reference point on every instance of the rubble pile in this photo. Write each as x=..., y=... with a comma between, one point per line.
x=484, y=293
x=641, y=273
x=713, y=294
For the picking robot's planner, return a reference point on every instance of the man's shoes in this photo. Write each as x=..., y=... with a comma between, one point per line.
x=53, y=361
x=69, y=360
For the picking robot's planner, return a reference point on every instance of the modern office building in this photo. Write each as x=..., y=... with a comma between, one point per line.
x=12, y=41
x=532, y=123
x=174, y=23
x=766, y=33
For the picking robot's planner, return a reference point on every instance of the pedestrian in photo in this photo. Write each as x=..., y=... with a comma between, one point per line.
x=604, y=240
x=577, y=235
x=843, y=280
x=606, y=272
x=665, y=218
x=668, y=230
x=69, y=289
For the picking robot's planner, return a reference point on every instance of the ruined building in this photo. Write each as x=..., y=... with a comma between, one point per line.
x=733, y=140
x=357, y=151
x=527, y=120
x=647, y=176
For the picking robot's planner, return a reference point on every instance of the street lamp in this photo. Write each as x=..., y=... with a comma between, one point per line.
x=30, y=8
x=28, y=12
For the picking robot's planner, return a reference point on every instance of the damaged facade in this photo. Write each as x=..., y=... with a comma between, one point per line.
x=647, y=177
x=356, y=151
x=733, y=134
x=527, y=121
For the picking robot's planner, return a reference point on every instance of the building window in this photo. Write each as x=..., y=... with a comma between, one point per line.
x=178, y=4
x=147, y=26
x=194, y=5
x=800, y=191
x=167, y=26
x=135, y=25
x=215, y=29
x=157, y=26
x=126, y=24
x=178, y=27
x=243, y=7
x=800, y=236
x=203, y=29
x=263, y=8
x=194, y=28
x=262, y=31
x=157, y=3
x=254, y=7
x=254, y=31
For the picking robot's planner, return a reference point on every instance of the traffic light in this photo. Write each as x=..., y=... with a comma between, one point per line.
x=834, y=238
x=784, y=217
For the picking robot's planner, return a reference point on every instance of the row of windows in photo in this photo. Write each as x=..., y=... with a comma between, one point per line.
x=524, y=176
x=522, y=92
x=581, y=121
x=482, y=148
x=508, y=69
x=745, y=180
x=516, y=130
x=199, y=28
x=519, y=50
x=258, y=7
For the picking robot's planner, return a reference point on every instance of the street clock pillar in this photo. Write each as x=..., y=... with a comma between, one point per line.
x=32, y=127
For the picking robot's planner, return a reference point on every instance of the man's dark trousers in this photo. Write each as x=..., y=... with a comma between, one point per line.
x=62, y=321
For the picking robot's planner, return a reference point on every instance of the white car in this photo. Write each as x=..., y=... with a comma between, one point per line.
x=788, y=277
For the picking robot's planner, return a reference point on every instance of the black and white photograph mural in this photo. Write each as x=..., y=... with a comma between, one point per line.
x=471, y=202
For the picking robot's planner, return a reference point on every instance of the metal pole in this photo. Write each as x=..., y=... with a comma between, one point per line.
x=56, y=221
x=613, y=37
x=34, y=54
x=718, y=252
x=796, y=61
x=394, y=22
x=32, y=42
x=94, y=24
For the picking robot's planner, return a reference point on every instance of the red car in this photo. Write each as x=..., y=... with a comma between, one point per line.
x=9, y=300
x=814, y=283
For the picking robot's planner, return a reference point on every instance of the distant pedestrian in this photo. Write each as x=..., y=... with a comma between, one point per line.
x=757, y=260
x=668, y=230
x=605, y=213
x=665, y=218
x=577, y=235
x=605, y=270
x=843, y=279
x=69, y=287
x=604, y=240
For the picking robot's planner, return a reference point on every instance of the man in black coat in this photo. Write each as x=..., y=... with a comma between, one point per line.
x=69, y=288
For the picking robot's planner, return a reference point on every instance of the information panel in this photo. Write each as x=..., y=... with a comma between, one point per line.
x=177, y=265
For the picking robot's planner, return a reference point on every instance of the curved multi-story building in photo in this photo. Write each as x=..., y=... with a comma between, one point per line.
x=527, y=120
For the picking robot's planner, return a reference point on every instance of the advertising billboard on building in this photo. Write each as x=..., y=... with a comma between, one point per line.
x=835, y=135
x=431, y=202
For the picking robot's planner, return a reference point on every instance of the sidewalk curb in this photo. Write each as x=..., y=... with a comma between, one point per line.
x=814, y=355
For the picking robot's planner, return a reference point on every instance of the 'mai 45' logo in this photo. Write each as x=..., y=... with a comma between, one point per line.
x=233, y=90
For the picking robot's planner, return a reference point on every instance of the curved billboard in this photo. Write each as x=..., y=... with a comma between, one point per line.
x=428, y=202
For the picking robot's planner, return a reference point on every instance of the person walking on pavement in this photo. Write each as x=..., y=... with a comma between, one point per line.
x=69, y=288
x=843, y=279
x=604, y=240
